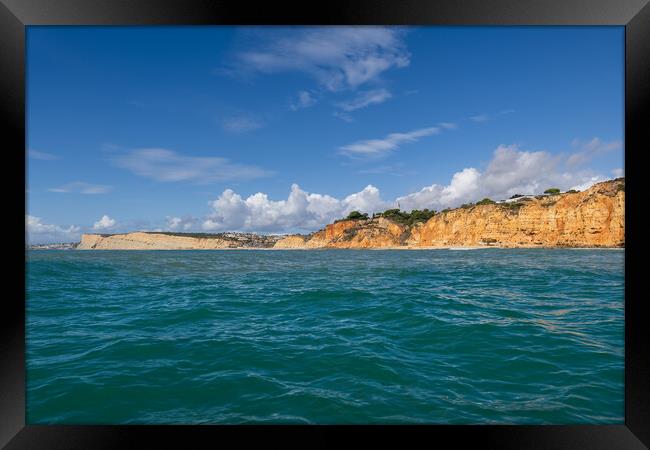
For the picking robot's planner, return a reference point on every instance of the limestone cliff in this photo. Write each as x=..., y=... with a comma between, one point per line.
x=593, y=218
x=140, y=240
x=373, y=233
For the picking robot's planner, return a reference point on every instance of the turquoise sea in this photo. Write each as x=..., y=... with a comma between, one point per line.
x=325, y=337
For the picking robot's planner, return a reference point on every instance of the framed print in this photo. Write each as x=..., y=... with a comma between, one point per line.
x=365, y=217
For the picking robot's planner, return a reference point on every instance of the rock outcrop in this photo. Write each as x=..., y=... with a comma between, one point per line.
x=593, y=218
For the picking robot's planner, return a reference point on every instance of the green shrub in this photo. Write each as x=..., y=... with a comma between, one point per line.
x=516, y=196
x=552, y=191
x=486, y=201
x=404, y=218
x=356, y=215
x=513, y=206
x=421, y=216
x=572, y=191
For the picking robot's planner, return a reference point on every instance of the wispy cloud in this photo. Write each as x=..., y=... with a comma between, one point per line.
x=82, y=188
x=166, y=165
x=343, y=116
x=486, y=117
x=588, y=150
x=304, y=99
x=381, y=147
x=241, y=124
x=480, y=118
x=365, y=99
x=336, y=57
x=618, y=172
x=35, y=154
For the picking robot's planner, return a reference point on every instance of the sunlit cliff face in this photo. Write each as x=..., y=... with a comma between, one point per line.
x=593, y=218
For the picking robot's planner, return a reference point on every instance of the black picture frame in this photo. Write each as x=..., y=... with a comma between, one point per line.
x=15, y=15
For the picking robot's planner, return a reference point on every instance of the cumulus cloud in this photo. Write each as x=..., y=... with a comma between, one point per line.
x=168, y=166
x=300, y=211
x=590, y=149
x=304, y=99
x=241, y=124
x=82, y=188
x=35, y=154
x=40, y=232
x=336, y=57
x=365, y=99
x=510, y=171
x=381, y=147
x=104, y=223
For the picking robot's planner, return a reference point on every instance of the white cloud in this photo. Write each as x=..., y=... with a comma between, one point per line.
x=365, y=99
x=300, y=211
x=510, y=171
x=480, y=118
x=589, y=150
x=380, y=147
x=104, y=223
x=40, y=232
x=487, y=117
x=180, y=223
x=304, y=100
x=82, y=188
x=166, y=165
x=336, y=57
x=241, y=124
x=590, y=181
x=35, y=154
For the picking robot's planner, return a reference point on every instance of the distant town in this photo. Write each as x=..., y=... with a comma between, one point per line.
x=55, y=246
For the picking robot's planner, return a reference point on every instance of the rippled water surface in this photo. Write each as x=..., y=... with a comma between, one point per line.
x=335, y=336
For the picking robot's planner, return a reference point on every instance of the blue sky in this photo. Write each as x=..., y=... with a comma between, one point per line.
x=275, y=129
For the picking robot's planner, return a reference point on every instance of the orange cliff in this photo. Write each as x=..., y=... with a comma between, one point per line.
x=592, y=218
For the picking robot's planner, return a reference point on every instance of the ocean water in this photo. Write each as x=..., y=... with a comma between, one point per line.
x=325, y=337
